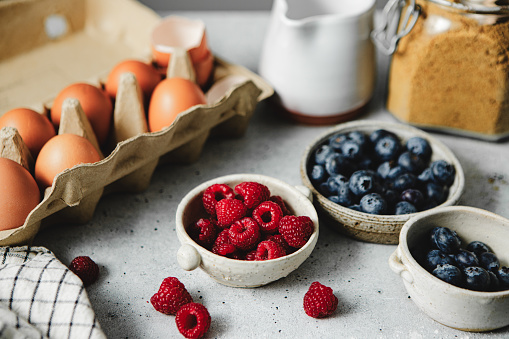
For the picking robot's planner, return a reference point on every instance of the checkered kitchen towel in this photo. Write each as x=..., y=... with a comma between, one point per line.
x=41, y=298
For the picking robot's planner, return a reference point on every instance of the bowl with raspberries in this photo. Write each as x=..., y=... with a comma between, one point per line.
x=246, y=230
x=454, y=263
x=370, y=177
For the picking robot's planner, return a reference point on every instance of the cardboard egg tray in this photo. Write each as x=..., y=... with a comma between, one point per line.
x=86, y=39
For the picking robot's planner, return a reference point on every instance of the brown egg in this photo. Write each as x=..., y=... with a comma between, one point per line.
x=171, y=97
x=35, y=129
x=146, y=75
x=95, y=103
x=19, y=194
x=60, y=153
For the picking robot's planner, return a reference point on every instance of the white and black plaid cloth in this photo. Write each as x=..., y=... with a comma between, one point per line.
x=41, y=298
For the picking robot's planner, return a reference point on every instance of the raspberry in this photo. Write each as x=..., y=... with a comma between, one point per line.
x=244, y=233
x=251, y=256
x=169, y=299
x=215, y=193
x=223, y=246
x=85, y=268
x=278, y=239
x=203, y=231
x=267, y=215
x=278, y=200
x=267, y=250
x=296, y=230
x=171, y=282
x=319, y=301
x=193, y=320
x=252, y=193
x=228, y=211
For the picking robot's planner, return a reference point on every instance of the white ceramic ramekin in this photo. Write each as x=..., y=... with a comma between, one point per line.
x=382, y=229
x=452, y=306
x=242, y=273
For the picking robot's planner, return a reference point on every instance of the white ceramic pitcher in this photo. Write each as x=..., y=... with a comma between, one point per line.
x=319, y=58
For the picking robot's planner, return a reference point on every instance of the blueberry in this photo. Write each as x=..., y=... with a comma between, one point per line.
x=322, y=153
x=425, y=176
x=387, y=147
x=345, y=196
x=404, y=181
x=489, y=261
x=351, y=150
x=391, y=197
x=413, y=196
x=449, y=273
x=494, y=282
x=404, y=207
x=436, y=257
x=338, y=164
x=478, y=247
x=366, y=162
x=373, y=203
x=411, y=162
x=503, y=277
x=436, y=192
x=334, y=199
x=324, y=189
x=318, y=174
x=420, y=147
x=378, y=134
x=363, y=182
x=334, y=182
x=466, y=258
x=442, y=172
x=385, y=167
x=476, y=278
x=355, y=207
x=359, y=138
x=336, y=140
x=445, y=239
x=395, y=172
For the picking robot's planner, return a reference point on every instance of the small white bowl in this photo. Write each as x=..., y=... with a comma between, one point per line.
x=453, y=306
x=243, y=273
x=382, y=229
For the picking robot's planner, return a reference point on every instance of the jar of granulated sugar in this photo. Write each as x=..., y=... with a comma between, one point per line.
x=450, y=64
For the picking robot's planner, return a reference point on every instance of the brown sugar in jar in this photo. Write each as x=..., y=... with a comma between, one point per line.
x=451, y=72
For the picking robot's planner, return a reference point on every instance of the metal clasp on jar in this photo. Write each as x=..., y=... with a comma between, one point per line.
x=387, y=36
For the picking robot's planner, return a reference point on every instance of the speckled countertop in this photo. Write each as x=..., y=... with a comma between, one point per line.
x=132, y=236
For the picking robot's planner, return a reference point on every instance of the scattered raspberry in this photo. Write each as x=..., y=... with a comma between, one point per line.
x=204, y=232
x=169, y=299
x=252, y=193
x=244, y=233
x=278, y=239
x=223, y=246
x=319, y=301
x=228, y=211
x=267, y=215
x=193, y=320
x=85, y=268
x=296, y=230
x=267, y=250
x=278, y=200
x=215, y=193
x=171, y=282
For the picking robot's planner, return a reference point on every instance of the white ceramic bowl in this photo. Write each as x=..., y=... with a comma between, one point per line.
x=452, y=306
x=382, y=229
x=243, y=273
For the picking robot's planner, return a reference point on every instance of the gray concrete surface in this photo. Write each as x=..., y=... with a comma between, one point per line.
x=132, y=236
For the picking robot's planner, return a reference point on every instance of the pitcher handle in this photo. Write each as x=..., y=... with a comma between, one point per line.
x=383, y=37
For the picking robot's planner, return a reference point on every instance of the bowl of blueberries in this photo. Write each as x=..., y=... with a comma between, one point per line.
x=370, y=177
x=454, y=264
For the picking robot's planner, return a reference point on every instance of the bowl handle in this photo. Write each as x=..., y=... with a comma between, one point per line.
x=188, y=257
x=306, y=191
x=397, y=266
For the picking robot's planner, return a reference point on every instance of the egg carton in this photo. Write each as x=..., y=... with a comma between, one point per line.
x=133, y=153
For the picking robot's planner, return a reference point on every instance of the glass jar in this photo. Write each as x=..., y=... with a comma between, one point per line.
x=450, y=65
